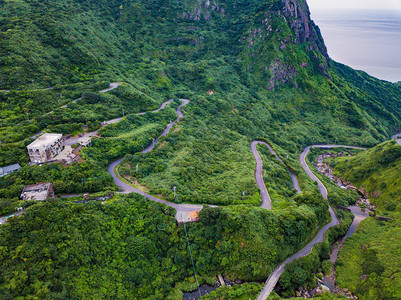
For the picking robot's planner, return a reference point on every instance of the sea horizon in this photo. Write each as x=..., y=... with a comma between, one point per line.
x=366, y=40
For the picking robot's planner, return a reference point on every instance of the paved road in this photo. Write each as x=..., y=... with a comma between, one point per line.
x=275, y=276
x=359, y=217
x=36, y=135
x=76, y=140
x=139, y=114
x=112, y=86
x=169, y=126
x=266, y=200
x=397, y=137
x=183, y=209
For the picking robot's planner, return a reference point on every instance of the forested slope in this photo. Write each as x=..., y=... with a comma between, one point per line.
x=252, y=70
x=133, y=248
x=369, y=264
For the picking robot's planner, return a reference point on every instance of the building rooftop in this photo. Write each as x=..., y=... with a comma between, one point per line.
x=9, y=169
x=45, y=140
x=194, y=215
x=38, y=191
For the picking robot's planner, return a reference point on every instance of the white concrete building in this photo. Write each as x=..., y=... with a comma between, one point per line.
x=39, y=192
x=45, y=147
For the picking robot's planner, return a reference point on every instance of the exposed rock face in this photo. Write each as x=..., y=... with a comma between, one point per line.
x=298, y=16
x=260, y=29
x=281, y=73
x=325, y=169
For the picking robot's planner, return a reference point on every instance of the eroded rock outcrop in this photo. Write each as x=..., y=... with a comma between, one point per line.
x=298, y=17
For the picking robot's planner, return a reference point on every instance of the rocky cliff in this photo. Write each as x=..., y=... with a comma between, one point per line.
x=298, y=16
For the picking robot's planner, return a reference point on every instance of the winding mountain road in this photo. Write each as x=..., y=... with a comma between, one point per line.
x=275, y=276
x=112, y=86
x=183, y=210
x=139, y=114
x=266, y=200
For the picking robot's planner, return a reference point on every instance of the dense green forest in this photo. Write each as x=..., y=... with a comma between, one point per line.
x=132, y=247
x=369, y=263
x=252, y=70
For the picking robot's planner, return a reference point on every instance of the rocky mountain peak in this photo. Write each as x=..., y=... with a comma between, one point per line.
x=298, y=16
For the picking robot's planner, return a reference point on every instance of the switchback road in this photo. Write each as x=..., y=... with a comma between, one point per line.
x=266, y=200
x=112, y=86
x=182, y=209
x=275, y=276
x=141, y=113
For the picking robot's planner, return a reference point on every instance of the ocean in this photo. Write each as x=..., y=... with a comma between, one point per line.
x=364, y=40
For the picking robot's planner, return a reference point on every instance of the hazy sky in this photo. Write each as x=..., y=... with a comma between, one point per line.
x=355, y=4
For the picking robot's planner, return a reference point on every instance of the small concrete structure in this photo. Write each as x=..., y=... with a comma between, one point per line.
x=39, y=192
x=66, y=155
x=85, y=141
x=45, y=147
x=193, y=216
x=9, y=169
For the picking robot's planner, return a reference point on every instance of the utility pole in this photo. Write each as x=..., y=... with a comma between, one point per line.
x=137, y=168
x=174, y=188
x=243, y=195
x=335, y=142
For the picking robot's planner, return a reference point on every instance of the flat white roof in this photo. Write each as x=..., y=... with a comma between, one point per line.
x=45, y=140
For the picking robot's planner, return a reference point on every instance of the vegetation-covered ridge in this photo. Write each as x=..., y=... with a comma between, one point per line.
x=61, y=249
x=369, y=262
x=70, y=41
x=252, y=70
x=377, y=172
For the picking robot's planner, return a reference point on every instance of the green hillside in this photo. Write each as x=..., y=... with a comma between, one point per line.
x=133, y=248
x=252, y=70
x=266, y=64
x=373, y=252
x=377, y=170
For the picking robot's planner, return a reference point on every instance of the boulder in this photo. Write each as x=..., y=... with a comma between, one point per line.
x=325, y=288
